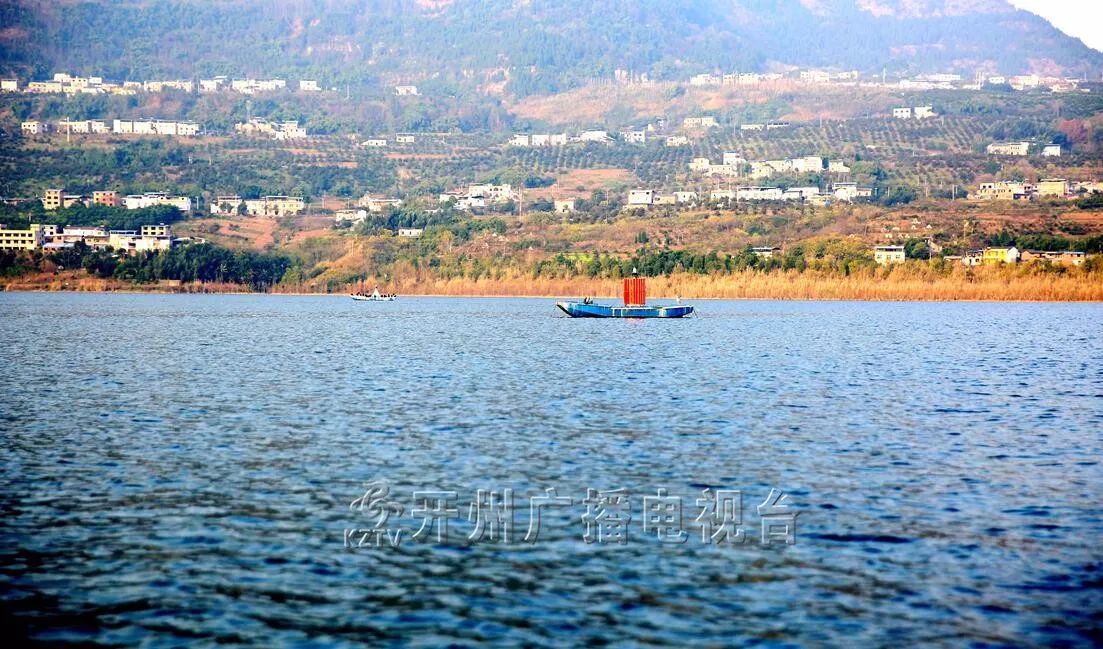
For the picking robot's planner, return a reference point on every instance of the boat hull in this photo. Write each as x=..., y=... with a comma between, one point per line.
x=370, y=298
x=582, y=310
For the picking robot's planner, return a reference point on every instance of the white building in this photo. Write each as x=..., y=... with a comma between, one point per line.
x=410, y=233
x=405, y=91
x=1051, y=151
x=226, y=205
x=308, y=85
x=677, y=140
x=641, y=197
x=594, y=136
x=83, y=127
x=375, y=143
x=492, y=193
x=700, y=164
x=759, y=194
x=139, y=201
x=9, y=85
x=564, y=205
x=154, y=127
x=888, y=254
x=275, y=130
x=377, y=204
x=707, y=121
x=275, y=206
x=1008, y=148
x=34, y=127
x=850, y=191
x=355, y=216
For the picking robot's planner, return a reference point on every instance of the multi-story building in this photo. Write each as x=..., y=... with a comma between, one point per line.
x=9, y=85
x=28, y=239
x=154, y=127
x=83, y=127
x=1053, y=187
x=707, y=121
x=1003, y=190
x=159, y=230
x=55, y=199
x=641, y=197
x=377, y=204
x=492, y=193
x=888, y=254
x=1000, y=255
x=44, y=86
x=275, y=206
x=139, y=201
x=52, y=199
x=564, y=205
x=276, y=130
x=226, y=205
x=759, y=194
x=850, y=191
x=923, y=112
x=34, y=127
x=1008, y=148
x=106, y=197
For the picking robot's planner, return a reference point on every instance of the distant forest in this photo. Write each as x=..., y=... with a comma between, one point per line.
x=536, y=47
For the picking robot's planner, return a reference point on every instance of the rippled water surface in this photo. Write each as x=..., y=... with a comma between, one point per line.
x=180, y=469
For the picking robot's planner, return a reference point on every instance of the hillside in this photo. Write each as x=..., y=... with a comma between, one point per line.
x=533, y=47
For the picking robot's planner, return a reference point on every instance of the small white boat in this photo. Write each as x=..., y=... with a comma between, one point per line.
x=374, y=297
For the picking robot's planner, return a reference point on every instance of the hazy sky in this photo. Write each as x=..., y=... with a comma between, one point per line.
x=1080, y=18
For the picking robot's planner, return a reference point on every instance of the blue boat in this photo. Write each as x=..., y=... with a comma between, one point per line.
x=635, y=305
x=583, y=310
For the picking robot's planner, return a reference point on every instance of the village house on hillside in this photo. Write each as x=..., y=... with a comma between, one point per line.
x=274, y=130
x=33, y=127
x=275, y=206
x=154, y=127
x=700, y=122
x=83, y=126
x=889, y=254
x=1008, y=148
x=377, y=204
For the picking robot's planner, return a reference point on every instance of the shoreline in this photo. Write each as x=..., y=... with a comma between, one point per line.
x=688, y=300
x=993, y=284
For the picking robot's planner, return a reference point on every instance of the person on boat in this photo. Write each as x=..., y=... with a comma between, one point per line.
x=587, y=300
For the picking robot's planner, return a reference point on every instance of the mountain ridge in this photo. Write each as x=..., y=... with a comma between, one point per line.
x=542, y=46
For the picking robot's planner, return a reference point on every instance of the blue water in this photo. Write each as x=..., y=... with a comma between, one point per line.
x=180, y=469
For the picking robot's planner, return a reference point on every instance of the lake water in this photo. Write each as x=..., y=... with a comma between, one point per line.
x=182, y=468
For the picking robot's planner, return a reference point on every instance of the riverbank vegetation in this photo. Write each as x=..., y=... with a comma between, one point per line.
x=197, y=262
